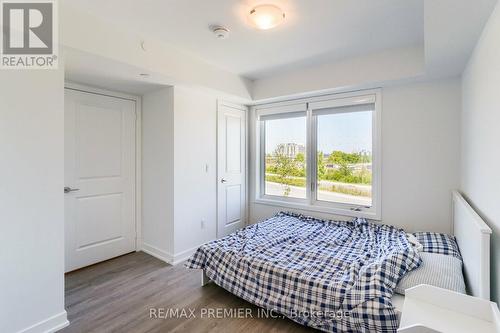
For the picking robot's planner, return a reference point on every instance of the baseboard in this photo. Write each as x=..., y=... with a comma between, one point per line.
x=138, y=244
x=172, y=259
x=157, y=253
x=181, y=256
x=49, y=325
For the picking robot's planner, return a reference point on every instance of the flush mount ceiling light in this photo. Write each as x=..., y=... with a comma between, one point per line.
x=265, y=17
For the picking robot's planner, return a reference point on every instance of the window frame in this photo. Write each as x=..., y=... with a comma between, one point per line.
x=309, y=105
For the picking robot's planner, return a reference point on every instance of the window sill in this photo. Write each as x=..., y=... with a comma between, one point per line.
x=319, y=209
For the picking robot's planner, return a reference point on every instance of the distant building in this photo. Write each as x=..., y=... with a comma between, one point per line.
x=290, y=150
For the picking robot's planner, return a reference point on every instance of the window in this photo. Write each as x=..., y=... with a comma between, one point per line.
x=285, y=157
x=321, y=154
x=344, y=157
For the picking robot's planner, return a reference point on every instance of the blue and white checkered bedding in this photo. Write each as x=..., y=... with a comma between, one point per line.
x=331, y=275
x=438, y=243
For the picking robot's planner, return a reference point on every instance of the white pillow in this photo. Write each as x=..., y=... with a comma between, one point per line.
x=439, y=270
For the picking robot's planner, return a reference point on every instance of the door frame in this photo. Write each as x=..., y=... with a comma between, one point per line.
x=138, y=147
x=217, y=175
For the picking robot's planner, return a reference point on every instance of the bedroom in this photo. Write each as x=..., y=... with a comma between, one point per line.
x=173, y=124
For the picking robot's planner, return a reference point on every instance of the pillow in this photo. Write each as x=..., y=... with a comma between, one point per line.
x=434, y=242
x=414, y=242
x=439, y=270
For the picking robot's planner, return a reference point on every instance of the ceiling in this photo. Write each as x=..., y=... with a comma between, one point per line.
x=314, y=32
x=100, y=72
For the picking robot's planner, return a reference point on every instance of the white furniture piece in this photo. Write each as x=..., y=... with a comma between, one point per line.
x=431, y=309
x=473, y=238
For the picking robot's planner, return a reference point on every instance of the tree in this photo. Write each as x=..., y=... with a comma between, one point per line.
x=339, y=157
x=300, y=165
x=342, y=160
x=300, y=158
x=285, y=167
x=321, y=165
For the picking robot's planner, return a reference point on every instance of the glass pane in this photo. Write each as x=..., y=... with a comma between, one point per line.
x=285, y=153
x=345, y=158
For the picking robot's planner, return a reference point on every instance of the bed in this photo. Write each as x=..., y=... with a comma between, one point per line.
x=334, y=276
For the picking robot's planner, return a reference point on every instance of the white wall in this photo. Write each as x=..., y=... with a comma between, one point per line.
x=420, y=149
x=352, y=73
x=179, y=171
x=31, y=200
x=481, y=137
x=158, y=171
x=195, y=186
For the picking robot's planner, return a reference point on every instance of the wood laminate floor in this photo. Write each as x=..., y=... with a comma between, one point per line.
x=117, y=296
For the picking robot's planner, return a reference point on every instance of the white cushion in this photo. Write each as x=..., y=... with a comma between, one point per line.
x=439, y=270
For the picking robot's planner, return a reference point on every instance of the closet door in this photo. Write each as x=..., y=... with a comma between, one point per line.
x=99, y=178
x=231, y=162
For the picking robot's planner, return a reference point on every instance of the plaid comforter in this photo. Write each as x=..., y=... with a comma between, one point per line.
x=331, y=275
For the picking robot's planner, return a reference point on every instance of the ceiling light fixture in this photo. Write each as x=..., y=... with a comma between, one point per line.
x=265, y=17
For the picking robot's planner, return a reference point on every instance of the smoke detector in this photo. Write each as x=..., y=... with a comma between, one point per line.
x=220, y=32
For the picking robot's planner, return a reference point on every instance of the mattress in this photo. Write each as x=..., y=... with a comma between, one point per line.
x=329, y=275
x=398, y=301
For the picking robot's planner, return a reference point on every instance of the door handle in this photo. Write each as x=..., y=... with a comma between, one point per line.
x=69, y=189
x=223, y=181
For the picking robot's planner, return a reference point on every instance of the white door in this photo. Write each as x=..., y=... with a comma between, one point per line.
x=99, y=178
x=231, y=169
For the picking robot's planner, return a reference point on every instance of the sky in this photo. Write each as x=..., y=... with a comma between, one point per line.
x=348, y=132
